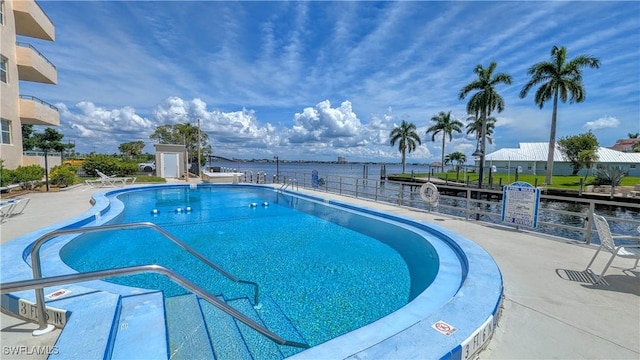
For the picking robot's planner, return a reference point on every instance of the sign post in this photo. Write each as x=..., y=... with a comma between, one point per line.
x=520, y=204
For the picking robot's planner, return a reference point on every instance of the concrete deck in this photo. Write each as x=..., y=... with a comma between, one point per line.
x=551, y=310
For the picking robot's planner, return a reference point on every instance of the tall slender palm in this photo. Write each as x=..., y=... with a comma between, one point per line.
x=445, y=124
x=558, y=79
x=474, y=126
x=407, y=138
x=484, y=101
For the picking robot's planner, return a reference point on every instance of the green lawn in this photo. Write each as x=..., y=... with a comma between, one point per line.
x=563, y=182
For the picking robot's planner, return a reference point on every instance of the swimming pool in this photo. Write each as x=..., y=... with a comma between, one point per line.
x=343, y=270
x=396, y=275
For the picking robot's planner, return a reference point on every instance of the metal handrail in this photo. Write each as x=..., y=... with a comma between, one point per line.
x=96, y=275
x=37, y=270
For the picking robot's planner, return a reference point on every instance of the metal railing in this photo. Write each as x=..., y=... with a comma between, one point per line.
x=463, y=201
x=27, y=45
x=289, y=182
x=37, y=271
x=40, y=283
x=33, y=98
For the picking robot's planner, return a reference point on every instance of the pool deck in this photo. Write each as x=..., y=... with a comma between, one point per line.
x=550, y=309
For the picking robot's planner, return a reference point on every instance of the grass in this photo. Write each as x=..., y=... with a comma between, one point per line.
x=559, y=181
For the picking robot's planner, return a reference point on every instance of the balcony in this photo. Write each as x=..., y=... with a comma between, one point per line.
x=33, y=66
x=34, y=111
x=32, y=21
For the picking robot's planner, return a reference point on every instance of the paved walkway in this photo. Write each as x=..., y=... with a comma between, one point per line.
x=550, y=309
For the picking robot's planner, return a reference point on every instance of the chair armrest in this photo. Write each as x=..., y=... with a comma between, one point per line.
x=627, y=237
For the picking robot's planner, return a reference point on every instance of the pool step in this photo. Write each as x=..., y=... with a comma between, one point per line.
x=188, y=335
x=199, y=330
x=276, y=321
x=91, y=338
x=259, y=346
x=226, y=340
x=141, y=325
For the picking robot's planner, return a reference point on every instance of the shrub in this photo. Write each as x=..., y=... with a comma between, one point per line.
x=6, y=175
x=63, y=175
x=29, y=176
x=109, y=165
x=609, y=176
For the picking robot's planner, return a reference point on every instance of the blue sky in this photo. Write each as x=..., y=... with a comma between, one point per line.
x=318, y=80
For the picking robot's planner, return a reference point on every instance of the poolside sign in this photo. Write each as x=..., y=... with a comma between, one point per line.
x=444, y=328
x=520, y=204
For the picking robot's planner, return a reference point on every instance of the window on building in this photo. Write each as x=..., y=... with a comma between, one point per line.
x=3, y=69
x=1, y=12
x=5, y=128
x=632, y=166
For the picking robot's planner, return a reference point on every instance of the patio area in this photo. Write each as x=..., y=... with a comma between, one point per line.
x=551, y=309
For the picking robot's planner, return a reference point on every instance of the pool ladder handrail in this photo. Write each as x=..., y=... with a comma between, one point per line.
x=286, y=184
x=37, y=271
x=40, y=283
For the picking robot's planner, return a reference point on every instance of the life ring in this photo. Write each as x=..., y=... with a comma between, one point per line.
x=429, y=193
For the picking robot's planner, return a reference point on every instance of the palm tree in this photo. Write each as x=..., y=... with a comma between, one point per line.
x=459, y=158
x=633, y=135
x=484, y=101
x=445, y=124
x=558, y=79
x=475, y=126
x=407, y=138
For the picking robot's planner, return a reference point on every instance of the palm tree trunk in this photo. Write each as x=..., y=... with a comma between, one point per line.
x=552, y=139
x=442, y=160
x=404, y=159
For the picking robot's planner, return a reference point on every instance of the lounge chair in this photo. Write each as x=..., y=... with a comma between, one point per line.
x=607, y=243
x=6, y=210
x=12, y=207
x=105, y=180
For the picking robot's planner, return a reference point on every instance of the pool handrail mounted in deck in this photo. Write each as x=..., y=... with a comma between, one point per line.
x=37, y=271
x=40, y=283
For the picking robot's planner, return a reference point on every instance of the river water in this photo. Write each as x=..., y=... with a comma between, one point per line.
x=347, y=174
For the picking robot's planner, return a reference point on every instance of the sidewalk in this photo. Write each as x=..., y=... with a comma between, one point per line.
x=550, y=310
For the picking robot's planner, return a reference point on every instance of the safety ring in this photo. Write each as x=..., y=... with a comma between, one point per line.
x=429, y=193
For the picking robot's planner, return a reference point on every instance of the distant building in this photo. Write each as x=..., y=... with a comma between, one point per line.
x=624, y=144
x=341, y=160
x=532, y=158
x=21, y=61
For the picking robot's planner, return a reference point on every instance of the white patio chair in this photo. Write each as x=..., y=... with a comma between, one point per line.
x=607, y=243
x=114, y=180
x=19, y=205
x=5, y=210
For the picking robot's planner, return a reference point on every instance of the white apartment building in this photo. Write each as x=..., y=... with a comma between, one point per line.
x=21, y=22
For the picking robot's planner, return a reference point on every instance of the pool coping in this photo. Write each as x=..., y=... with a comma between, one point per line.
x=473, y=310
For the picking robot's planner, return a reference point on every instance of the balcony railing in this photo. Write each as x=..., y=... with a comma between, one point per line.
x=34, y=111
x=27, y=45
x=33, y=98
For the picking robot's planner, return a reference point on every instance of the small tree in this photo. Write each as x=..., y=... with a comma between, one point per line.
x=47, y=141
x=186, y=134
x=580, y=150
x=131, y=149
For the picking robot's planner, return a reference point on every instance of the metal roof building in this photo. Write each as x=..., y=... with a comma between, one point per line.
x=532, y=157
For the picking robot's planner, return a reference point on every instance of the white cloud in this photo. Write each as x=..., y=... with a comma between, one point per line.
x=324, y=123
x=602, y=123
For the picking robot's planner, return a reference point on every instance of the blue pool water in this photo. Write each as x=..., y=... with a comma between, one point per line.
x=330, y=270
